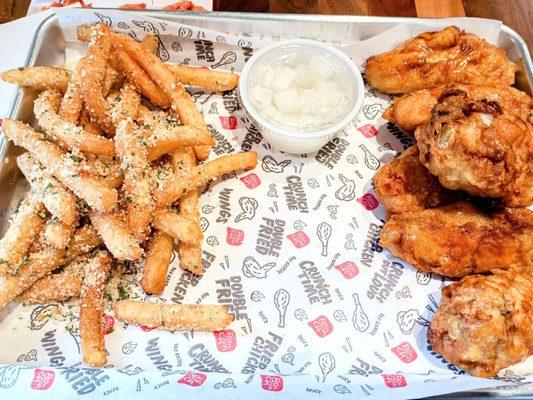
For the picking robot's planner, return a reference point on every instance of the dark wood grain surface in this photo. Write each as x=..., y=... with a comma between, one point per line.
x=518, y=14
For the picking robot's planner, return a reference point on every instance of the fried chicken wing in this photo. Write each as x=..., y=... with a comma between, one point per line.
x=485, y=323
x=414, y=109
x=436, y=58
x=479, y=147
x=458, y=239
x=404, y=184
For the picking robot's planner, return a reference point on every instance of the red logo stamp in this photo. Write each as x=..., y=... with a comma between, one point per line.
x=348, y=269
x=146, y=328
x=321, y=326
x=368, y=131
x=42, y=379
x=234, y=237
x=108, y=322
x=193, y=379
x=226, y=340
x=368, y=201
x=251, y=181
x=394, y=380
x=272, y=383
x=405, y=352
x=229, y=123
x=299, y=239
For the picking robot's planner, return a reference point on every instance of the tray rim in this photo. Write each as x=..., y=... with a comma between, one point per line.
x=190, y=15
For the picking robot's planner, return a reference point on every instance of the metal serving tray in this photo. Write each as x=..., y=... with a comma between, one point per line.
x=48, y=48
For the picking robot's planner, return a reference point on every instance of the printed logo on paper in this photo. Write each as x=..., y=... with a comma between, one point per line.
x=368, y=130
x=234, y=237
x=272, y=383
x=368, y=201
x=394, y=380
x=229, y=123
x=108, y=322
x=226, y=340
x=42, y=379
x=299, y=239
x=405, y=352
x=193, y=379
x=348, y=269
x=321, y=326
x=251, y=181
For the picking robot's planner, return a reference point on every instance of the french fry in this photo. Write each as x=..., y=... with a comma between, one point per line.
x=217, y=81
x=126, y=105
x=154, y=272
x=41, y=78
x=72, y=102
x=173, y=317
x=108, y=172
x=112, y=77
x=161, y=74
x=190, y=253
x=137, y=178
x=44, y=261
x=88, y=126
x=176, y=226
x=92, y=73
x=202, y=174
x=141, y=80
x=62, y=286
x=84, y=32
x=26, y=224
x=150, y=43
x=58, y=234
x=165, y=141
x=91, y=309
x=116, y=236
x=67, y=133
x=56, y=197
x=60, y=165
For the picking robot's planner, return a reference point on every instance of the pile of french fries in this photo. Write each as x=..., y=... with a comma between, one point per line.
x=114, y=169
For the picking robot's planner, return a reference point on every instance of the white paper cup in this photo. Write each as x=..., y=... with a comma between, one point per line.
x=291, y=140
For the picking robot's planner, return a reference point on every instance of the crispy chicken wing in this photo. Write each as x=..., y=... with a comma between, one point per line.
x=404, y=184
x=414, y=109
x=458, y=239
x=436, y=58
x=478, y=147
x=485, y=323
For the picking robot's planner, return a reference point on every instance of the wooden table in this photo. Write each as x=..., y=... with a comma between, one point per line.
x=518, y=14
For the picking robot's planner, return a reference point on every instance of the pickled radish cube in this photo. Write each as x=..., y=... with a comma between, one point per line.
x=268, y=77
x=287, y=101
x=320, y=69
x=309, y=101
x=322, y=86
x=304, y=78
x=262, y=95
x=330, y=98
x=284, y=77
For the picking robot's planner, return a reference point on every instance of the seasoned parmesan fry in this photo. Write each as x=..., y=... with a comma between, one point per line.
x=39, y=77
x=154, y=272
x=173, y=317
x=84, y=32
x=160, y=73
x=58, y=234
x=127, y=104
x=131, y=149
x=26, y=224
x=217, y=81
x=177, y=226
x=59, y=164
x=92, y=73
x=44, y=261
x=91, y=309
x=190, y=253
x=61, y=286
x=116, y=236
x=164, y=141
x=108, y=172
x=56, y=197
x=68, y=134
x=202, y=174
x=141, y=80
x=72, y=102
x=112, y=78
x=150, y=43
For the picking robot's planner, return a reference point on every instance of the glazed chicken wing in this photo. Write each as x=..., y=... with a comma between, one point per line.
x=436, y=58
x=458, y=239
x=485, y=323
x=414, y=109
x=479, y=147
x=404, y=184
